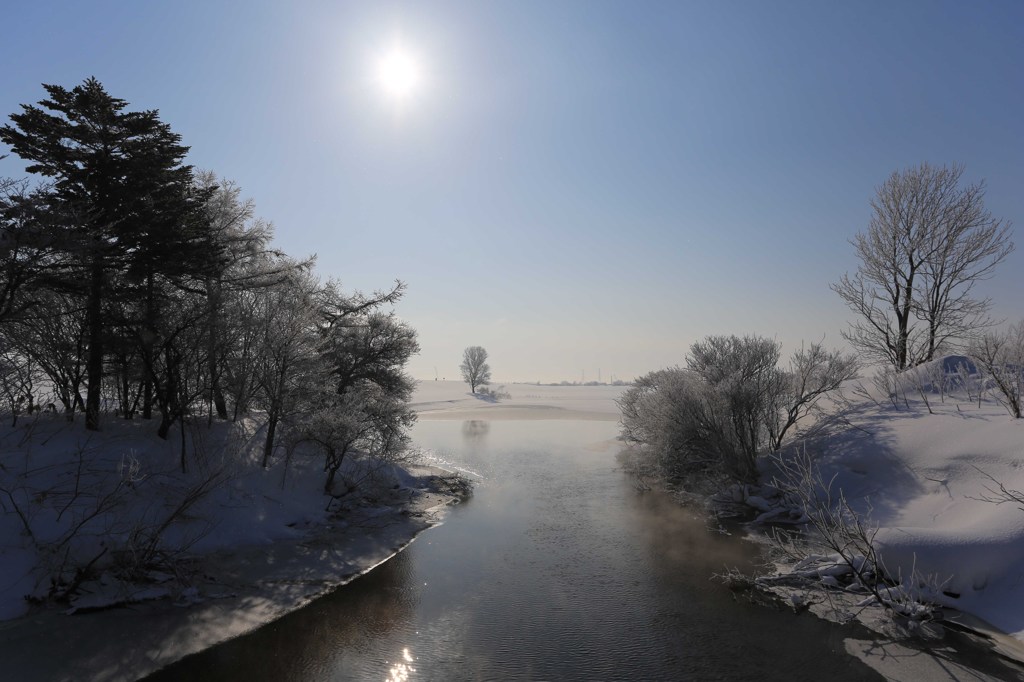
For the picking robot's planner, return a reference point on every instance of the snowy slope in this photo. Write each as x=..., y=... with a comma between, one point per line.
x=922, y=477
x=117, y=502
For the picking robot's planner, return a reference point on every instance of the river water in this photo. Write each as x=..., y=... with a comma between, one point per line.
x=556, y=568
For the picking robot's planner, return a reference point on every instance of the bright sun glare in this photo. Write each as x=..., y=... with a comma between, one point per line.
x=398, y=73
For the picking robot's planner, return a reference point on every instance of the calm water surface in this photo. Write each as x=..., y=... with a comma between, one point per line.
x=555, y=569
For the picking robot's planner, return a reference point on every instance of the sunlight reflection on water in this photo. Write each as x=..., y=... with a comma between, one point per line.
x=401, y=671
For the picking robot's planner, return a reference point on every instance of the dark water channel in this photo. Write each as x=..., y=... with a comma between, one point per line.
x=556, y=568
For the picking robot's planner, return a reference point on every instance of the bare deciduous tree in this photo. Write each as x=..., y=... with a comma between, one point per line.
x=929, y=242
x=288, y=357
x=1000, y=358
x=53, y=334
x=247, y=265
x=813, y=372
x=474, y=367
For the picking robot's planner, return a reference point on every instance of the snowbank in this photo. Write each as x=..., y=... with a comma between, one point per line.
x=926, y=478
x=249, y=546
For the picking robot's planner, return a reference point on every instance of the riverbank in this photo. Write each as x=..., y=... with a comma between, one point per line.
x=235, y=591
x=234, y=545
x=930, y=464
x=917, y=478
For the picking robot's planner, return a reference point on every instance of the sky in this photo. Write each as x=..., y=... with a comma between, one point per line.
x=582, y=188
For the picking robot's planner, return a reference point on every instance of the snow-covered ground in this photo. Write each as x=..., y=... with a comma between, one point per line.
x=109, y=520
x=927, y=479
x=269, y=545
x=453, y=400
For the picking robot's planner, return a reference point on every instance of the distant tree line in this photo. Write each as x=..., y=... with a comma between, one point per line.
x=133, y=285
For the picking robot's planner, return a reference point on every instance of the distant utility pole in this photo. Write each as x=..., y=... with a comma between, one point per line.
x=598, y=375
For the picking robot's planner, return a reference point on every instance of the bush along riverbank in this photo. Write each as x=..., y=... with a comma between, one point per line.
x=893, y=500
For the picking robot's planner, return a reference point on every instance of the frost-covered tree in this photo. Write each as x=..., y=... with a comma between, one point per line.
x=367, y=418
x=929, y=242
x=366, y=344
x=247, y=264
x=814, y=372
x=474, y=367
x=288, y=362
x=1000, y=357
x=331, y=369
x=731, y=404
x=361, y=402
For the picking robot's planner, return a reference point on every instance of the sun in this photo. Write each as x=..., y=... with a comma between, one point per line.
x=398, y=73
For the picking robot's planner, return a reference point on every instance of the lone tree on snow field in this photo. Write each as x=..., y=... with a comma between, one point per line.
x=475, y=370
x=929, y=242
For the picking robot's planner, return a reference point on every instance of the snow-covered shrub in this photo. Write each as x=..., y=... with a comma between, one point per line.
x=746, y=393
x=965, y=374
x=1000, y=358
x=731, y=404
x=840, y=550
x=672, y=413
x=494, y=394
x=145, y=544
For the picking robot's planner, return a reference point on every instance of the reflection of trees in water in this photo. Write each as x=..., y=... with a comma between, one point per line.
x=315, y=642
x=474, y=431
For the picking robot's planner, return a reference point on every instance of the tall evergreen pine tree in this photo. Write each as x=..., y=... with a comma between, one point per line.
x=131, y=216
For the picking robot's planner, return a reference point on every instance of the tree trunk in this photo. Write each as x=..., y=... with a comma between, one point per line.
x=166, y=421
x=333, y=465
x=932, y=333
x=213, y=322
x=268, y=446
x=184, y=468
x=94, y=363
x=148, y=335
x=170, y=402
x=147, y=395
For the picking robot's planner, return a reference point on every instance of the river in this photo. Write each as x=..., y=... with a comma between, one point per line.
x=555, y=568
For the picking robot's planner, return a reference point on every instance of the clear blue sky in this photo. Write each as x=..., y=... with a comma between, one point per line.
x=574, y=186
